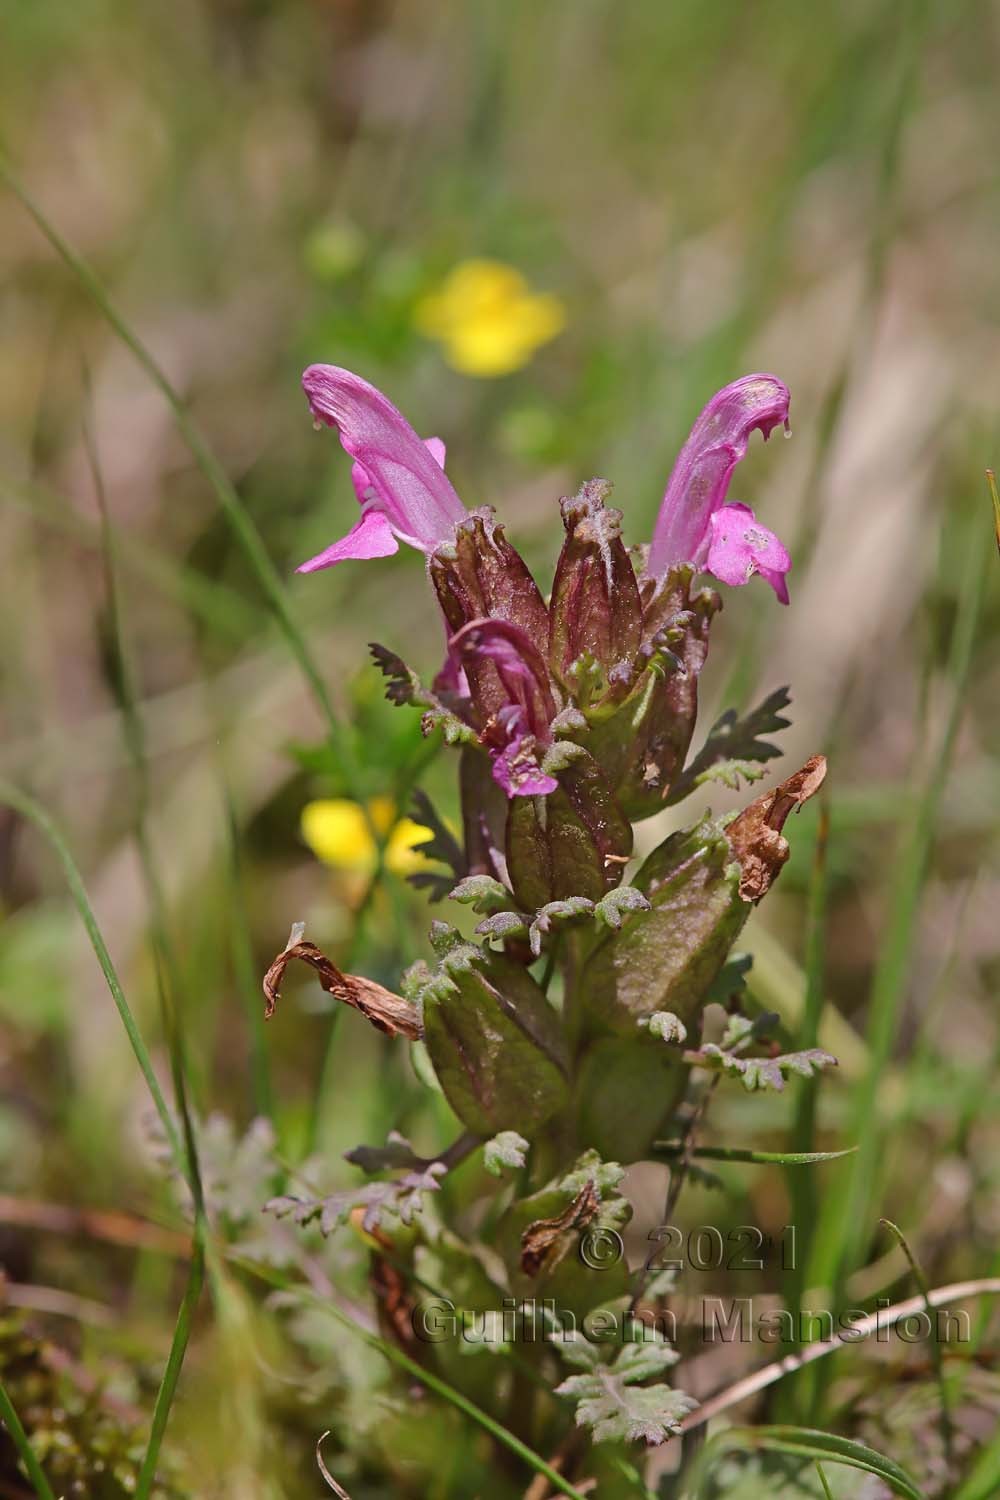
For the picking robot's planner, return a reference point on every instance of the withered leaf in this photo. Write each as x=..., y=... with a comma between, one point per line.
x=393, y=1298
x=387, y=1012
x=540, y=1238
x=755, y=835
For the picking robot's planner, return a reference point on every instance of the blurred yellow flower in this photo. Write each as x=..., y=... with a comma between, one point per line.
x=337, y=833
x=488, y=318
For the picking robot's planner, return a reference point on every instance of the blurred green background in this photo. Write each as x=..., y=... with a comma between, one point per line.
x=708, y=189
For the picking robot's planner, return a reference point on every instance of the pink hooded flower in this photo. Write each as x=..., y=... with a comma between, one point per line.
x=521, y=730
x=695, y=524
x=513, y=665
x=399, y=480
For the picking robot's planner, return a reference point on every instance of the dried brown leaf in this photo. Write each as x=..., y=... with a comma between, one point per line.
x=387, y=1012
x=755, y=835
x=541, y=1237
x=394, y=1302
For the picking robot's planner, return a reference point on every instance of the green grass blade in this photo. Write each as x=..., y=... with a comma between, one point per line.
x=803, y=1189
x=672, y=1149
x=171, y=1374
x=828, y=1493
x=925, y=1291
x=983, y=1480
x=807, y=1443
x=26, y=805
x=803, y=1130
x=25, y=1452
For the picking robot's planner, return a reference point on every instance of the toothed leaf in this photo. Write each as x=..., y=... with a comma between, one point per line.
x=508, y=1149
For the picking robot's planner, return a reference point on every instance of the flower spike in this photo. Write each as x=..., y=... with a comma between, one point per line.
x=399, y=480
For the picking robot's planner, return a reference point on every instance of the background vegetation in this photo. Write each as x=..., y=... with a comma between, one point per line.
x=708, y=189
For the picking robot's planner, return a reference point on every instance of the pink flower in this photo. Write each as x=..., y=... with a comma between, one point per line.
x=739, y=547
x=520, y=731
x=399, y=480
x=695, y=524
x=514, y=665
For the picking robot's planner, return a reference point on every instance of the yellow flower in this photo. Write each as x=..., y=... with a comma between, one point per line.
x=488, y=319
x=337, y=833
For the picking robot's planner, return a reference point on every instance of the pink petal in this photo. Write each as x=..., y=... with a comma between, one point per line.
x=517, y=771
x=362, y=480
x=697, y=487
x=520, y=665
x=437, y=450
x=409, y=484
x=777, y=582
x=371, y=536
x=739, y=546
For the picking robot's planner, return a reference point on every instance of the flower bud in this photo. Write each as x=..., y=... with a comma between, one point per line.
x=595, y=615
x=481, y=577
x=642, y=746
x=495, y=1042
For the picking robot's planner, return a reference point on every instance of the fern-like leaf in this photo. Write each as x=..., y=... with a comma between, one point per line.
x=735, y=741
x=613, y=1403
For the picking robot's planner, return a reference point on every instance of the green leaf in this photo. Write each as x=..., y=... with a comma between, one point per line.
x=673, y=1149
x=396, y=1154
x=573, y=842
x=575, y=1348
x=445, y=940
x=613, y=908
x=482, y=893
x=405, y=687
x=508, y=1149
x=625, y=1092
x=741, y=1030
x=402, y=1198
x=172, y=1370
x=827, y=1447
x=763, y=1072
x=665, y=1025
x=612, y=1403
x=557, y=912
x=730, y=982
x=443, y=847
x=665, y=959
x=731, y=774
x=495, y=1042
x=736, y=740
x=502, y=924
